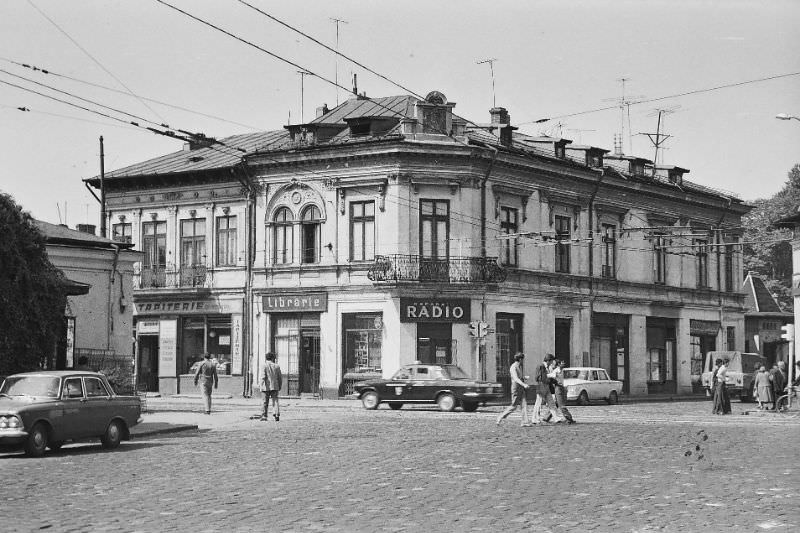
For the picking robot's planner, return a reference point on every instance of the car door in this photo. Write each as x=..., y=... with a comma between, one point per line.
x=99, y=409
x=603, y=384
x=592, y=386
x=398, y=388
x=74, y=416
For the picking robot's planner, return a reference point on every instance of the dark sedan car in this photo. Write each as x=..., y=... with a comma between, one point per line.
x=445, y=385
x=40, y=410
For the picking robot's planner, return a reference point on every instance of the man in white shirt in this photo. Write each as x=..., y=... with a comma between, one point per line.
x=518, y=391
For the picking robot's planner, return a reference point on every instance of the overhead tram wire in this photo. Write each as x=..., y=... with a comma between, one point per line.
x=111, y=89
x=58, y=115
x=98, y=63
x=658, y=98
x=348, y=58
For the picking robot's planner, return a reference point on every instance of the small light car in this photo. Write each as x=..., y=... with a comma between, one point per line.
x=445, y=385
x=40, y=410
x=585, y=384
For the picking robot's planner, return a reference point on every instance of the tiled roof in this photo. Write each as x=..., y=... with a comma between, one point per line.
x=56, y=234
x=396, y=107
x=757, y=298
x=216, y=156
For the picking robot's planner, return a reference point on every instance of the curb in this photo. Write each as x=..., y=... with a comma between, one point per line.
x=172, y=428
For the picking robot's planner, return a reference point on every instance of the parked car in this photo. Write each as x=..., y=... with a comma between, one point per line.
x=585, y=384
x=741, y=369
x=445, y=385
x=40, y=410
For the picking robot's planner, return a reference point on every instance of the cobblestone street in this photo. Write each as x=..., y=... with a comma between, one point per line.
x=637, y=467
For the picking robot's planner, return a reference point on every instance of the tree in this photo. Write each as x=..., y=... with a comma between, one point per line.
x=770, y=252
x=32, y=294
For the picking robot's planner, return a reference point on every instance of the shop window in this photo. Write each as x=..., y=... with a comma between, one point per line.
x=509, y=224
x=311, y=234
x=210, y=334
x=193, y=242
x=363, y=333
x=283, y=237
x=226, y=240
x=362, y=231
x=434, y=229
x=562, y=249
x=730, y=337
x=122, y=232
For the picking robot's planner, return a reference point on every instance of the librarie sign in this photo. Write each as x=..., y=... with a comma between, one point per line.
x=296, y=302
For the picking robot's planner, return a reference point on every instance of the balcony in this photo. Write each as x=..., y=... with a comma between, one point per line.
x=170, y=277
x=456, y=270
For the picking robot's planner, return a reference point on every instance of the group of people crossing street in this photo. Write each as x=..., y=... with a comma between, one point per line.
x=551, y=395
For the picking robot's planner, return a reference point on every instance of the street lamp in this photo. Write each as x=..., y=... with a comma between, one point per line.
x=785, y=116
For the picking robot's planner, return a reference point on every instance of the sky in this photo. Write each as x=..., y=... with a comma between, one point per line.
x=553, y=59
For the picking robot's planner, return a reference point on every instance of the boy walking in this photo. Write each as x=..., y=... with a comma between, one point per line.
x=271, y=382
x=518, y=391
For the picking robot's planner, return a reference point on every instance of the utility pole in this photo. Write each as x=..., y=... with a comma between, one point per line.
x=336, y=74
x=491, y=68
x=102, y=191
x=303, y=74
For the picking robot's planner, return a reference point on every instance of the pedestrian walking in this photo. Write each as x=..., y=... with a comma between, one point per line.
x=718, y=407
x=763, y=387
x=207, y=372
x=777, y=377
x=543, y=396
x=271, y=383
x=722, y=376
x=518, y=391
x=560, y=394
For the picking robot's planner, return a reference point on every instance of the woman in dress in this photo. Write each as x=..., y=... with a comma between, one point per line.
x=763, y=387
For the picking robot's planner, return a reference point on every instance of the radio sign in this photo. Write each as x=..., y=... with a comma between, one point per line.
x=439, y=310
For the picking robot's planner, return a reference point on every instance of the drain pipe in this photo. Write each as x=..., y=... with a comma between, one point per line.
x=591, y=249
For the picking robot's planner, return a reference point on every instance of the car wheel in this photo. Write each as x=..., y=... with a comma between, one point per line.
x=469, y=407
x=446, y=402
x=613, y=398
x=113, y=435
x=56, y=445
x=395, y=406
x=37, y=440
x=370, y=400
x=583, y=398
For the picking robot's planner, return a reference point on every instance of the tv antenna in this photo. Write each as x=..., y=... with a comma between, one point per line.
x=579, y=132
x=659, y=138
x=491, y=69
x=303, y=75
x=624, y=102
x=336, y=73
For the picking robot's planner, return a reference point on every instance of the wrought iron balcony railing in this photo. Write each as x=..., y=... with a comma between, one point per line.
x=169, y=277
x=399, y=267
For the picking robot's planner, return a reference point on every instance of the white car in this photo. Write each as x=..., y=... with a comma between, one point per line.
x=586, y=383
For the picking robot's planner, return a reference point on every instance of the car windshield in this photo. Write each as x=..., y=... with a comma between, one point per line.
x=30, y=386
x=570, y=373
x=454, y=372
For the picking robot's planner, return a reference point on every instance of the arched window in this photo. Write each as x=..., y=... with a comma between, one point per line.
x=310, y=228
x=282, y=237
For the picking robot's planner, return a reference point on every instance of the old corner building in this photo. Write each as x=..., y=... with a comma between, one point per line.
x=373, y=235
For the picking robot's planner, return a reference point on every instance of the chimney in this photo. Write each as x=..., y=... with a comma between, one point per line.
x=323, y=110
x=500, y=115
x=86, y=228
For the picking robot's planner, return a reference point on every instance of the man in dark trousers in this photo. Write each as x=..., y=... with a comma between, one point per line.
x=543, y=396
x=271, y=382
x=207, y=371
x=778, y=378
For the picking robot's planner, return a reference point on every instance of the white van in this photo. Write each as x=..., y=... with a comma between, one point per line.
x=741, y=368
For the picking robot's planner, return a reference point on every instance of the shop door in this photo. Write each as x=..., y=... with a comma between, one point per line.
x=309, y=361
x=147, y=372
x=563, y=329
x=509, y=342
x=434, y=343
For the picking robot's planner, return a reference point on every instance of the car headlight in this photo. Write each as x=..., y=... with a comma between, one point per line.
x=572, y=389
x=9, y=422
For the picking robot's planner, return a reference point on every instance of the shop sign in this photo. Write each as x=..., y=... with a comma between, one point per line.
x=434, y=310
x=704, y=327
x=295, y=303
x=147, y=327
x=236, y=346
x=168, y=348
x=177, y=306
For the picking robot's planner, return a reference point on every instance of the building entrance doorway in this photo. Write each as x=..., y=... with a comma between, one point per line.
x=435, y=343
x=562, y=340
x=147, y=369
x=309, y=361
x=296, y=342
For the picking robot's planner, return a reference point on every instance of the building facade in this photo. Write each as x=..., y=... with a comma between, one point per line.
x=375, y=234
